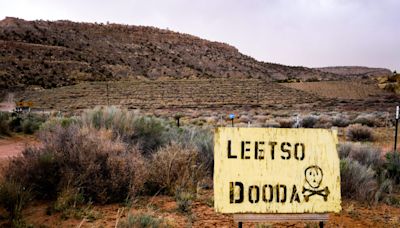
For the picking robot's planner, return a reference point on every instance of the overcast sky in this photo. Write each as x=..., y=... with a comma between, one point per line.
x=311, y=33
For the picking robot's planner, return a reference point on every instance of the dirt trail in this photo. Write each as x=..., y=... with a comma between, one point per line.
x=10, y=147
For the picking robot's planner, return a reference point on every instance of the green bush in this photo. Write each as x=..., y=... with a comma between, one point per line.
x=184, y=201
x=120, y=121
x=393, y=166
x=340, y=121
x=32, y=123
x=309, y=121
x=4, y=124
x=200, y=139
x=14, y=197
x=144, y=221
x=366, y=120
x=357, y=181
x=363, y=153
x=357, y=132
x=149, y=134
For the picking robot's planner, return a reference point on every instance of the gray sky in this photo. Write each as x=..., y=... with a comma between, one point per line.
x=311, y=33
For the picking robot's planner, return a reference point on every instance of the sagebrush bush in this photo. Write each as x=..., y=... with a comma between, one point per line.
x=14, y=197
x=340, y=121
x=148, y=133
x=201, y=139
x=4, y=124
x=175, y=168
x=120, y=121
x=309, y=121
x=271, y=124
x=363, y=153
x=357, y=181
x=89, y=159
x=143, y=220
x=32, y=123
x=184, y=201
x=357, y=132
x=392, y=165
x=286, y=123
x=366, y=120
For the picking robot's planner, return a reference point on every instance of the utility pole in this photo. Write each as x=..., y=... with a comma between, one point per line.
x=396, y=127
x=232, y=117
x=108, y=100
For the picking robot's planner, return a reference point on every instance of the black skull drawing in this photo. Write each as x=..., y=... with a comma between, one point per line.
x=313, y=175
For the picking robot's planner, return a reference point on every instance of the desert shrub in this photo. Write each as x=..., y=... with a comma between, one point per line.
x=37, y=169
x=363, y=153
x=244, y=119
x=14, y=197
x=200, y=139
x=60, y=121
x=309, y=121
x=67, y=198
x=340, y=121
x=88, y=159
x=121, y=121
x=15, y=124
x=32, y=123
x=323, y=121
x=184, y=201
x=4, y=124
x=365, y=119
x=174, y=168
x=149, y=134
x=143, y=220
x=357, y=132
x=385, y=190
x=286, y=123
x=271, y=124
x=357, y=181
x=392, y=166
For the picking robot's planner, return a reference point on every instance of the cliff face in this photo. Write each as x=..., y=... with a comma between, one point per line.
x=54, y=54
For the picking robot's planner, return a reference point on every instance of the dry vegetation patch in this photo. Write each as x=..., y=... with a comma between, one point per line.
x=337, y=89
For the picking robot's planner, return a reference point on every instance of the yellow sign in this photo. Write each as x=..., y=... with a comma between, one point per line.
x=24, y=103
x=272, y=170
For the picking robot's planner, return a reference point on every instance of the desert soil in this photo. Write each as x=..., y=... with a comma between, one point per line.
x=354, y=214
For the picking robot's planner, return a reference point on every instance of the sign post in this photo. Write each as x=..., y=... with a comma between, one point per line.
x=395, y=131
x=232, y=117
x=272, y=174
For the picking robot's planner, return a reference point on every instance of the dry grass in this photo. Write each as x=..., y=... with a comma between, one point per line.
x=192, y=93
x=174, y=168
x=337, y=89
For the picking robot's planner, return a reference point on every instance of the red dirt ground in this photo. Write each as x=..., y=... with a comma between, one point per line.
x=354, y=214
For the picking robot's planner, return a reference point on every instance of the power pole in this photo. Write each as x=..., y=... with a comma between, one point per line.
x=395, y=131
x=108, y=100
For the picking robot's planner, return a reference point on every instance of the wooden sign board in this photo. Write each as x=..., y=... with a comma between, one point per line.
x=272, y=170
x=24, y=104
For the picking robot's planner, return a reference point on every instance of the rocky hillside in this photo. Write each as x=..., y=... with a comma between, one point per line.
x=356, y=71
x=53, y=54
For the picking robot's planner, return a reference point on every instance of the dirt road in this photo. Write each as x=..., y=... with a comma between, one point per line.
x=10, y=147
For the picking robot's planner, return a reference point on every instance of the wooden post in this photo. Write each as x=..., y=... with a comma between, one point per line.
x=309, y=217
x=396, y=128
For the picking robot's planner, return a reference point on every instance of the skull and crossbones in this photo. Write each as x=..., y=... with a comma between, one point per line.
x=314, y=176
